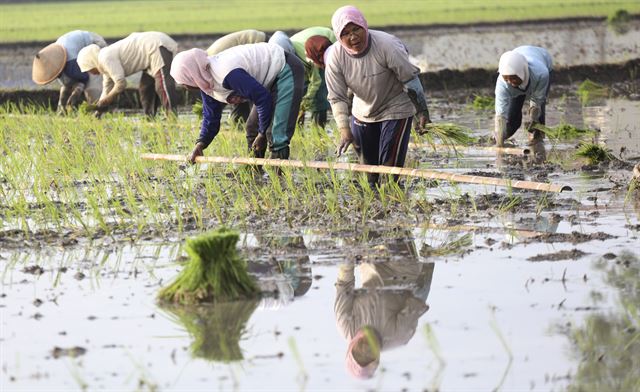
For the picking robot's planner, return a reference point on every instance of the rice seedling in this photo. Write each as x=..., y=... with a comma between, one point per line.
x=590, y=92
x=214, y=273
x=483, y=102
x=594, y=153
x=216, y=329
x=197, y=109
x=448, y=133
x=448, y=247
x=618, y=21
x=565, y=132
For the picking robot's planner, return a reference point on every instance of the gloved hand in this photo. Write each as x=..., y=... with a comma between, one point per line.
x=197, y=152
x=259, y=143
x=422, y=120
x=346, y=138
x=534, y=117
x=76, y=94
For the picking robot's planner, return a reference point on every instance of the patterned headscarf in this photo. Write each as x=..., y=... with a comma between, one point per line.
x=315, y=47
x=345, y=15
x=192, y=68
x=88, y=57
x=514, y=63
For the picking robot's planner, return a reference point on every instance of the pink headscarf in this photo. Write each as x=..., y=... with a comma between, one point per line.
x=345, y=15
x=192, y=68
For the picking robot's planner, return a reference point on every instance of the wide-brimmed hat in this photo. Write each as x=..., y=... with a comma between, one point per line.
x=48, y=63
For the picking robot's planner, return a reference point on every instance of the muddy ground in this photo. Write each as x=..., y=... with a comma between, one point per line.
x=474, y=288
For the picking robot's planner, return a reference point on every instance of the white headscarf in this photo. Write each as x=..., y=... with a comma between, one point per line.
x=513, y=63
x=88, y=57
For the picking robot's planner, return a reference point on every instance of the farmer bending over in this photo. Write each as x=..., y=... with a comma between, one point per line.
x=58, y=60
x=243, y=37
x=310, y=45
x=375, y=66
x=261, y=73
x=524, y=74
x=150, y=52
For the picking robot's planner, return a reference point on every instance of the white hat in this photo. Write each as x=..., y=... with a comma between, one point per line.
x=88, y=57
x=48, y=64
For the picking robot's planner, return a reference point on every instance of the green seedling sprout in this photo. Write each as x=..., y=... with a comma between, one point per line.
x=594, y=153
x=590, y=91
x=214, y=273
x=483, y=102
x=449, y=133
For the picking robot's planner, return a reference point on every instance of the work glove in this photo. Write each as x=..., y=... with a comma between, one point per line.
x=346, y=138
x=197, y=152
x=259, y=143
x=76, y=94
x=534, y=118
x=500, y=130
x=423, y=119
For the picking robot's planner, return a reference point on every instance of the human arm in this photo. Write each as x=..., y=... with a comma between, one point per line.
x=416, y=93
x=114, y=79
x=338, y=96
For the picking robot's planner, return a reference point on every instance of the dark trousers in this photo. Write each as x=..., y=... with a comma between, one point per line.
x=514, y=113
x=381, y=143
x=286, y=95
x=161, y=88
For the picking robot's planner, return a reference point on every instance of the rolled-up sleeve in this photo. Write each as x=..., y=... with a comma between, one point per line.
x=338, y=92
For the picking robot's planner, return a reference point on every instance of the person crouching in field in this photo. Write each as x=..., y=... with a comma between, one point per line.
x=525, y=73
x=59, y=61
x=150, y=52
x=375, y=66
x=261, y=73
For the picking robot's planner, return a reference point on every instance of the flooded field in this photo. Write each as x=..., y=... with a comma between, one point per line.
x=467, y=286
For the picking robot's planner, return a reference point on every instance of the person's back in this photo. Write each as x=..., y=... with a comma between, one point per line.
x=234, y=39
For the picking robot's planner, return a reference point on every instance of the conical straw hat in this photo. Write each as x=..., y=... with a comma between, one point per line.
x=48, y=64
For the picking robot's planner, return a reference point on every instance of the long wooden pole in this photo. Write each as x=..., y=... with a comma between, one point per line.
x=492, y=149
x=422, y=173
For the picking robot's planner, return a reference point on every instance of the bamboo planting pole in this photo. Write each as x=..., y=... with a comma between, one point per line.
x=422, y=173
x=503, y=150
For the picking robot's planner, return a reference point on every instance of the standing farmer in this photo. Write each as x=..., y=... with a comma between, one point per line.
x=58, y=60
x=150, y=52
x=375, y=66
x=243, y=37
x=310, y=45
x=261, y=73
x=524, y=74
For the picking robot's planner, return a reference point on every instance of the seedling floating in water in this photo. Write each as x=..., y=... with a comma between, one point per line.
x=594, y=153
x=589, y=91
x=215, y=272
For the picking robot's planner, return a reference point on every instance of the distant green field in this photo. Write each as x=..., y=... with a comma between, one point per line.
x=48, y=20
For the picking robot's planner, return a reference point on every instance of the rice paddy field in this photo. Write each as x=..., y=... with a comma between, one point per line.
x=459, y=286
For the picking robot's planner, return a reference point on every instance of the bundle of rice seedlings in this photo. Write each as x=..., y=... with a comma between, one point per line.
x=216, y=330
x=197, y=109
x=565, y=131
x=589, y=91
x=618, y=22
x=449, y=134
x=594, y=153
x=87, y=108
x=455, y=246
x=214, y=273
x=483, y=102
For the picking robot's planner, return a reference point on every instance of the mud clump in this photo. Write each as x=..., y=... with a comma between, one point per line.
x=33, y=270
x=572, y=254
x=573, y=237
x=72, y=352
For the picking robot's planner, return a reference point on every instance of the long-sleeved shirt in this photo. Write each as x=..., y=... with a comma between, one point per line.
x=234, y=39
x=245, y=71
x=376, y=77
x=312, y=73
x=137, y=52
x=72, y=42
x=540, y=66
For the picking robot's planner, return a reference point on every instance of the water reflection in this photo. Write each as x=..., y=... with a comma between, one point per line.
x=216, y=330
x=620, y=130
x=383, y=312
x=608, y=344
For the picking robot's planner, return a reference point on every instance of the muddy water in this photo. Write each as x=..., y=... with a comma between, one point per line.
x=496, y=319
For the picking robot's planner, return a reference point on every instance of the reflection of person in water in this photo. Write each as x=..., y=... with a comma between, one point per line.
x=384, y=313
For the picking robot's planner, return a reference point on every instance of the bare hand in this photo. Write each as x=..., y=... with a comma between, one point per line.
x=259, y=143
x=197, y=152
x=104, y=102
x=346, y=138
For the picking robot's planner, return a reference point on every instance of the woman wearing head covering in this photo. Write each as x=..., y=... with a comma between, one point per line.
x=150, y=52
x=59, y=60
x=524, y=74
x=310, y=45
x=261, y=73
x=243, y=37
x=375, y=66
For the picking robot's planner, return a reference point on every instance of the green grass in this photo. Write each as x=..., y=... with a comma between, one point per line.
x=589, y=92
x=48, y=20
x=594, y=153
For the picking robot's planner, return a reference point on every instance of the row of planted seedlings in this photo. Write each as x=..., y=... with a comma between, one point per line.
x=84, y=175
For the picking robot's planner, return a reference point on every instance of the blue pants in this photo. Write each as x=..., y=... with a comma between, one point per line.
x=381, y=143
x=514, y=114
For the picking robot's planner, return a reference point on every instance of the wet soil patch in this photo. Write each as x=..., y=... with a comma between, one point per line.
x=572, y=254
x=72, y=352
x=573, y=237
